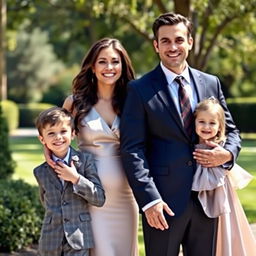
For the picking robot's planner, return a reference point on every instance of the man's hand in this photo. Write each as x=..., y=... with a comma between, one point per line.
x=155, y=216
x=67, y=173
x=212, y=157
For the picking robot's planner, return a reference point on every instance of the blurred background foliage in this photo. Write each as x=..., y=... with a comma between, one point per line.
x=47, y=40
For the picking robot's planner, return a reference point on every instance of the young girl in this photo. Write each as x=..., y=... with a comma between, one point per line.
x=216, y=186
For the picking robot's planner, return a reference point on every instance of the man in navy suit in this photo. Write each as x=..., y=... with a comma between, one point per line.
x=157, y=152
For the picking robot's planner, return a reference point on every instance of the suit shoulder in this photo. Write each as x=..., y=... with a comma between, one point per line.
x=84, y=155
x=143, y=80
x=39, y=169
x=204, y=75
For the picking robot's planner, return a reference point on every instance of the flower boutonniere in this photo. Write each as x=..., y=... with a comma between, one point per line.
x=76, y=161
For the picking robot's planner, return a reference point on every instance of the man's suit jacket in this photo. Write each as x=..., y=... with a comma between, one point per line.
x=156, y=151
x=66, y=206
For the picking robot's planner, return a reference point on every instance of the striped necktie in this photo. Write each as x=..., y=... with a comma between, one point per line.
x=185, y=107
x=64, y=162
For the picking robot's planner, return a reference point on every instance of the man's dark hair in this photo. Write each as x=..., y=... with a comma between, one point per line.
x=170, y=19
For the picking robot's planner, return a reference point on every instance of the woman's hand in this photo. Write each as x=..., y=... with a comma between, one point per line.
x=47, y=155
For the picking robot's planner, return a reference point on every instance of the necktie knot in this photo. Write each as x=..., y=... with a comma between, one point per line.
x=61, y=160
x=179, y=80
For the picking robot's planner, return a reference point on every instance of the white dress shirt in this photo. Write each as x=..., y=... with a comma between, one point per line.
x=173, y=86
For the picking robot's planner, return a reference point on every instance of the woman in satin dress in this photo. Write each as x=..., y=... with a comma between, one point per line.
x=98, y=94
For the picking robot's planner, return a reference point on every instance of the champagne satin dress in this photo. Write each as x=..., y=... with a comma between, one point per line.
x=115, y=224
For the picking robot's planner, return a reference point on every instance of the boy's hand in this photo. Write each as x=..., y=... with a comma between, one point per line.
x=67, y=173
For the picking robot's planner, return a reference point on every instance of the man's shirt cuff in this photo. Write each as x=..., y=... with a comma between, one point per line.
x=147, y=206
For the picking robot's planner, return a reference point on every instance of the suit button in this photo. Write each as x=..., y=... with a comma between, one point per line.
x=66, y=220
x=64, y=203
x=189, y=163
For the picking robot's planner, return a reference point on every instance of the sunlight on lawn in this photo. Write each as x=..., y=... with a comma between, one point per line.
x=28, y=147
x=25, y=165
x=28, y=153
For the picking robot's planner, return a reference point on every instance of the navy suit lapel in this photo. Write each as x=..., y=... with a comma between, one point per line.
x=73, y=152
x=76, y=161
x=200, y=87
x=160, y=86
x=199, y=83
x=54, y=178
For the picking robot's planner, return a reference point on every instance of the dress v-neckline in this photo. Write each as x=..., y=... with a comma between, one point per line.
x=103, y=120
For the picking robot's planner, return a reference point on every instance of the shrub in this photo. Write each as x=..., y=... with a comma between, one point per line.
x=20, y=215
x=55, y=95
x=243, y=112
x=29, y=112
x=7, y=164
x=61, y=86
x=11, y=113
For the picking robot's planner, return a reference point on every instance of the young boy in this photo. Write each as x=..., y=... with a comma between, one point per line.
x=67, y=190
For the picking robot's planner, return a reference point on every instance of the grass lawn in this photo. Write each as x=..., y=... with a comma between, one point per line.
x=27, y=152
x=247, y=160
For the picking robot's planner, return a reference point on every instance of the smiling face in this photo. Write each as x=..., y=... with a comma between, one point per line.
x=207, y=125
x=108, y=67
x=57, y=137
x=173, y=46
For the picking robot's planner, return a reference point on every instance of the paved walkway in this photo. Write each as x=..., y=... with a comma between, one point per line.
x=24, y=132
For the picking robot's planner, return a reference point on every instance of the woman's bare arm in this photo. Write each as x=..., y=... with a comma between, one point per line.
x=68, y=103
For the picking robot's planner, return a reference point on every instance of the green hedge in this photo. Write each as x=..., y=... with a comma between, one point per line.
x=11, y=113
x=242, y=109
x=7, y=164
x=243, y=112
x=29, y=112
x=20, y=215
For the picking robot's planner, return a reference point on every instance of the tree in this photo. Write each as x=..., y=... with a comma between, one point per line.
x=210, y=18
x=7, y=163
x=31, y=66
x=218, y=25
x=3, y=86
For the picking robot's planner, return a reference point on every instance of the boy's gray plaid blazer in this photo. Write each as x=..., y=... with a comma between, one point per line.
x=66, y=207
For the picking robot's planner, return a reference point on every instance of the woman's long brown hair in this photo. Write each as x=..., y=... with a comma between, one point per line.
x=84, y=86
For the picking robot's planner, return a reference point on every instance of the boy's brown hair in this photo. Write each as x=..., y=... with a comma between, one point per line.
x=52, y=116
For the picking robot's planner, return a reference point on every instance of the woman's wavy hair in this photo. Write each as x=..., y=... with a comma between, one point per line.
x=84, y=86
